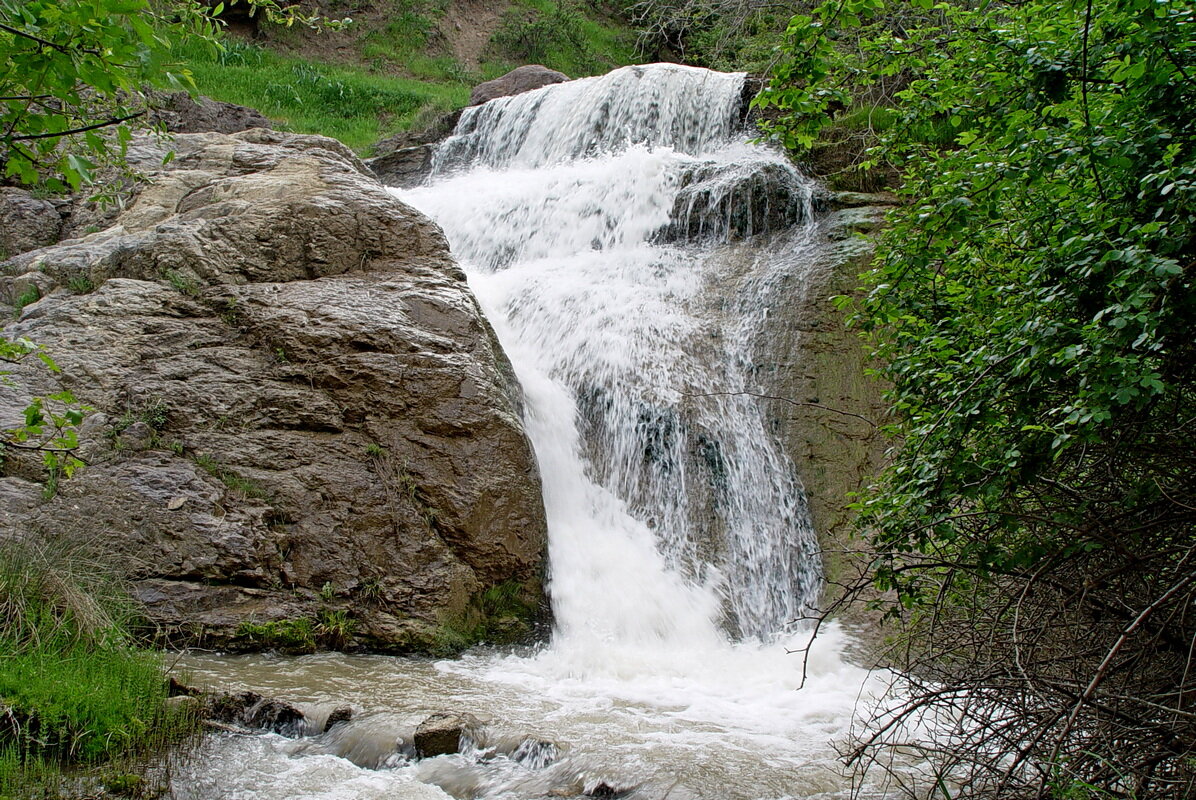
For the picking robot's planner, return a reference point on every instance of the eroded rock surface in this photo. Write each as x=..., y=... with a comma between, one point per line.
x=26, y=222
x=831, y=409
x=305, y=433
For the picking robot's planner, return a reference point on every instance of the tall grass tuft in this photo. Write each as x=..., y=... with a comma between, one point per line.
x=75, y=690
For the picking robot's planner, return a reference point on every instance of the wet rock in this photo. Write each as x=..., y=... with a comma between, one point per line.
x=604, y=791
x=313, y=393
x=727, y=203
x=441, y=734
x=517, y=81
x=405, y=159
x=252, y=710
x=821, y=362
x=862, y=199
x=26, y=222
x=185, y=704
x=403, y=168
x=535, y=753
x=338, y=715
x=439, y=129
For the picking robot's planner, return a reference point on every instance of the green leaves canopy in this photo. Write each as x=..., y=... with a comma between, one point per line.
x=76, y=68
x=1033, y=305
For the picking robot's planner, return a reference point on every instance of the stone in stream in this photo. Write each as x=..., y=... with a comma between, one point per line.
x=252, y=710
x=338, y=715
x=441, y=733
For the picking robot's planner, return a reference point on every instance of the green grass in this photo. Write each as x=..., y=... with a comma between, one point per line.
x=80, y=689
x=560, y=35
x=307, y=97
x=361, y=104
x=234, y=481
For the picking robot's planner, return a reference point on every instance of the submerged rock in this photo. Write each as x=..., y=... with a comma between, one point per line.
x=252, y=710
x=307, y=434
x=337, y=716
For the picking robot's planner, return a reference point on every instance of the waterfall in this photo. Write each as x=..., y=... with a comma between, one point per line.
x=598, y=221
x=626, y=241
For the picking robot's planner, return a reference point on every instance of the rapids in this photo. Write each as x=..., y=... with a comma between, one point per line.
x=624, y=239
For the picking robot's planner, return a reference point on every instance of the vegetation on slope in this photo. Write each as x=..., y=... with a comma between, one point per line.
x=1034, y=307
x=400, y=63
x=74, y=688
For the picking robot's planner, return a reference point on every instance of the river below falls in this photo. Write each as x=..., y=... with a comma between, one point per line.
x=737, y=724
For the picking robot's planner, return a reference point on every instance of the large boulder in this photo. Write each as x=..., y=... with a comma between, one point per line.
x=305, y=433
x=517, y=81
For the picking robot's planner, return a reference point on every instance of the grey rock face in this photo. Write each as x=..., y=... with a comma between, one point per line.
x=517, y=81
x=305, y=432
x=26, y=222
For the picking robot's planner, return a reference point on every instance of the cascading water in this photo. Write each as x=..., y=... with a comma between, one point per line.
x=609, y=227
x=585, y=215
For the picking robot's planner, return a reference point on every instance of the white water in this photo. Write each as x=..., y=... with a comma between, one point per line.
x=681, y=554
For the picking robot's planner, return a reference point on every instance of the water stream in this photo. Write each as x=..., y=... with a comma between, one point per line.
x=624, y=238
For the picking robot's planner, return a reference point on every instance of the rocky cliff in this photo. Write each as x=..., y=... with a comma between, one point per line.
x=830, y=410
x=304, y=431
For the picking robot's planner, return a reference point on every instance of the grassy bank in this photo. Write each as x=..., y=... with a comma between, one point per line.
x=343, y=102
x=398, y=65
x=80, y=703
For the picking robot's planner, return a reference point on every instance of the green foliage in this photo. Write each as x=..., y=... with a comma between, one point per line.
x=730, y=35
x=28, y=297
x=408, y=42
x=1033, y=307
x=183, y=284
x=69, y=672
x=291, y=635
x=331, y=628
x=72, y=74
x=562, y=36
x=233, y=480
x=50, y=423
x=497, y=615
x=81, y=284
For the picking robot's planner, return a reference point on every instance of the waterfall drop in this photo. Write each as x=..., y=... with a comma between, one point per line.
x=593, y=218
x=626, y=241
